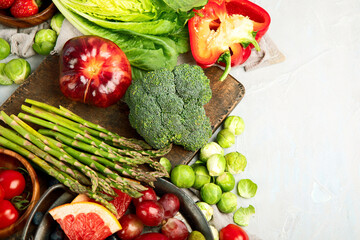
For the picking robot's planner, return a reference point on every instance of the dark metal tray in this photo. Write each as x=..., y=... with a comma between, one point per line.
x=58, y=195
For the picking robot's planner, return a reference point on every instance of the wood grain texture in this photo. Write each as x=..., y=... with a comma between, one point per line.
x=43, y=86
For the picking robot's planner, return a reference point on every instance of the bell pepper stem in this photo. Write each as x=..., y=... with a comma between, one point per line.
x=226, y=58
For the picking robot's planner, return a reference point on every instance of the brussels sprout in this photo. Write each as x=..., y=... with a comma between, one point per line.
x=225, y=138
x=242, y=215
x=45, y=41
x=4, y=80
x=183, y=176
x=227, y=203
x=234, y=124
x=166, y=164
x=210, y=149
x=196, y=235
x=201, y=176
x=214, y=232
x=246, y=188
x=210, y=193
x=17, y=70
x=216, y=165
x=4, y=49
x=235, y=162
x=206, y=209
x=198, y=163
x=226, y=181
x=56, y=22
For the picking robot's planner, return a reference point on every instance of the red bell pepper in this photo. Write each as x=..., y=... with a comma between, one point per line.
x=225, y=31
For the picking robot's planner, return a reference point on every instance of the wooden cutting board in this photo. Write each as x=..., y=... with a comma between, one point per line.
x=43, y=86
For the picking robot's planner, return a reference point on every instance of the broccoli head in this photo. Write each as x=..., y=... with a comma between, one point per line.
x=167, y=107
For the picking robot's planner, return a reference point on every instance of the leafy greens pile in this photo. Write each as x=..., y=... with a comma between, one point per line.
x=150, y=32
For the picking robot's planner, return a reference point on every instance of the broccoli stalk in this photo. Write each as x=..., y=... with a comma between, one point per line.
x=167, y=107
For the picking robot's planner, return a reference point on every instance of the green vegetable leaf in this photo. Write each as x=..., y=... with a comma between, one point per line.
x=121, y=10
x=242, y=215
x=149, y=17
x=185, y=5
x=246, y=188
x=4, y=80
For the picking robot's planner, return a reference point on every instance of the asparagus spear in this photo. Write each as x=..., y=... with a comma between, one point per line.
x=56, y=151
x=142, y=144
x=83, y=157
x=135, y=144
x=121, y=181
x=91, y=149
x=122, y=169
x=151, y=153
x=62, y=177
x=23, y=131
x=79, y=135
x=9, y=134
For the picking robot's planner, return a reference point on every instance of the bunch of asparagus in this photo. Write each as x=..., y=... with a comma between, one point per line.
x=82, y=155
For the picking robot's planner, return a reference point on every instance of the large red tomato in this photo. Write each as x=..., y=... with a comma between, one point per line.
x=13, y=183
x=233, y=232
x=94, y=70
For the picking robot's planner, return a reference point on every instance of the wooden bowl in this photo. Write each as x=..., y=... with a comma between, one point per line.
x=12, y=160
x=46, y=11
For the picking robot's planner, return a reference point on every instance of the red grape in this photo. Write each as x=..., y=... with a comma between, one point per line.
x=175, y=229
x=148, y=194
x=131, y=227
x=152, y=236
x=170, y=203
x=151, y=213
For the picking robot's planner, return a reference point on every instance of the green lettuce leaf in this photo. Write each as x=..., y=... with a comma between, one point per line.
x=168, y=23
x=185, y=5
x=242, y=215
x=246, y=188
x=122, y=10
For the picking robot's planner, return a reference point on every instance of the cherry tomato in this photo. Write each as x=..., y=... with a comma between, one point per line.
x=2, y=193
x=233, y=232
x=8, y=214
x=13, y=183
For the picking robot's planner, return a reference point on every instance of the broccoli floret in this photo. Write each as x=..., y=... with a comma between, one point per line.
x=170, y=103
x=160, y=81
x=167, y=106
x=192, y=84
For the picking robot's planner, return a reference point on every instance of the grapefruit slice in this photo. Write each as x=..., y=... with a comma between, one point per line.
x=121, y=202
x=85, y=221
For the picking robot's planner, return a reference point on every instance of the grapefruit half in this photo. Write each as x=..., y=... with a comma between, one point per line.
x=85, y=221
x=121, y=202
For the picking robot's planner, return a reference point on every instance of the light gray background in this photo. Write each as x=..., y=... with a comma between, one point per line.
x=302, y=121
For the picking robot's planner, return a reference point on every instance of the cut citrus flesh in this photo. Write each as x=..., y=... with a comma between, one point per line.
x=85, y=221
x=121, y=202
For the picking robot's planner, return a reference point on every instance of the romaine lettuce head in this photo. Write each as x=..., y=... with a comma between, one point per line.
x=121, y=10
